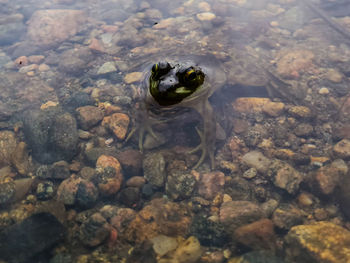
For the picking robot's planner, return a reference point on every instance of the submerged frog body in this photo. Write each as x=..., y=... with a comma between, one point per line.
x=171, y=85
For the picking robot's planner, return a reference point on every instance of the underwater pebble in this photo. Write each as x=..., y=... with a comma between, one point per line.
x=89, y=116
x=318, y=242
x=154, y=169
x=118, y=123
x=107, y=67
x=163, y=244
x=342, y=149
x=256, y=160
x=334, y=75
x=109, y=176
x=323, y=91
x=206, y=16
x=133, y=77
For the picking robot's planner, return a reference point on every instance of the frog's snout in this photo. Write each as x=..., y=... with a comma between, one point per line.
x=167, y=84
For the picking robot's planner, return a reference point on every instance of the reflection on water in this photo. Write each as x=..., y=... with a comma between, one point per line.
x=75, y=113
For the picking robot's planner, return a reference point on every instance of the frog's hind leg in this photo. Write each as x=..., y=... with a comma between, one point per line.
x=207, y=136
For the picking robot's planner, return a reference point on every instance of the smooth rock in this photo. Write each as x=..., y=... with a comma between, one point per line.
x=256, y=160
x=210, y=184
x=35, y=234
x=118, y=123
x=322, y=242
x=48, y=28
x=89, y=116
x=154, y=169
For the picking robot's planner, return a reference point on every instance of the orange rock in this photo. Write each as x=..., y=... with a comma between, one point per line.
x=133, y=77
x=290, y=63
x=108, y=183
x=21, y=61
x=258, y=105
x=118, y=123
x=96, y=45
x=108, y=161
x=159, y=217
x=257, y=235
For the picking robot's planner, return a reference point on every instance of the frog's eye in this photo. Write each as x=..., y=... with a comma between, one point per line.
x=190, y=74
x=155, y=68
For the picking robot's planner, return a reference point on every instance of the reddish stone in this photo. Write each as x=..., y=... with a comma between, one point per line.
x=111, y=184
x=257, y=235
x=210, y=184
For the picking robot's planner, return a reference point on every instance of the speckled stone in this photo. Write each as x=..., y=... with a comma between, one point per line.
x=322, y=242
x=118, y=123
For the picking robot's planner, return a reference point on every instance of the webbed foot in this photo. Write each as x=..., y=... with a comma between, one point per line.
x=203, y=147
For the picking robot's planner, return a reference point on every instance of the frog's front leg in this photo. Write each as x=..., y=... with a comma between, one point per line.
x=208, y=135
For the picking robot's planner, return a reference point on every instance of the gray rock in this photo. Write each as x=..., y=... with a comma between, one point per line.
x=94, y=230
x=234, y=214
x=7, y=192
x=154, y=169
x=287, y=216
x=285, y=176
x=106, y=68
x=52, y=134
x=256, y=160
x=35, y=234
x=179, y=185
x=19, y=93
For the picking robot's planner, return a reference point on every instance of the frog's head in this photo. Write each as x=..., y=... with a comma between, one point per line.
x=170, y=84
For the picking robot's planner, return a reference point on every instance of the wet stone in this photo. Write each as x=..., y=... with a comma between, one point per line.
x=327, y=178
x=256, y=160
x=303, y=130
x=179, y=185
x=77, y=191
x=89, y=116
x=108, y=175
x=106, y=68
x=208, y=232
x=158, y=217
x=7, y=192
x=118, y=123
x=319, y=242
x=52, y=134
x=94, y=230
x=257, y=235
x=342, y=149
x=75, y=61
x=131, y=161
x=262, y=256
x=234, y=214
x=287, y=216
x=129, y=196
x=285, y=176
x=44, y=190
x=8, y=146
x=35, y=234
x=154, y=169
x=47, y=28
x=210, y=184
x=136, y=181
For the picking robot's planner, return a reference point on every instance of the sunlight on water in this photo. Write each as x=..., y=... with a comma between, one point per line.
x=174, y=131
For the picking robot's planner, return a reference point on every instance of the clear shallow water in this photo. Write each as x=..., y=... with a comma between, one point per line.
x=71, y=77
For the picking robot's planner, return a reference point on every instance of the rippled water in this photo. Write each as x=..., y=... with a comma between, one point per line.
x=93, y=169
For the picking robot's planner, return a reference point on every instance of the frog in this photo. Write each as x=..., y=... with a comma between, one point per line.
x=173, y=84
x=188, y=82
